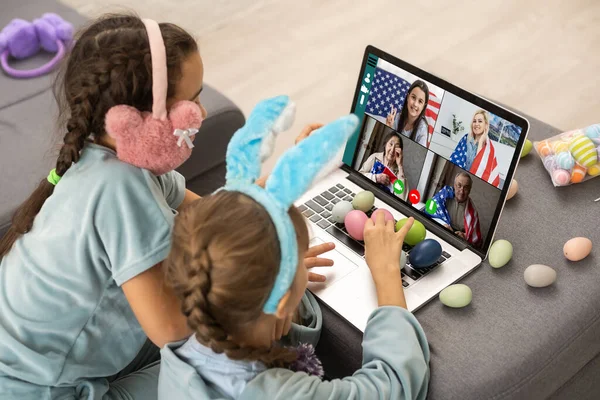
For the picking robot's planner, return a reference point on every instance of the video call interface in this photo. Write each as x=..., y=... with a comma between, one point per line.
x=445, y=156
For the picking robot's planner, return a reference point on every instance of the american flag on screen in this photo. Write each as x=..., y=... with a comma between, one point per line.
x=484, y=165
x=389, y=89
x=471, y=221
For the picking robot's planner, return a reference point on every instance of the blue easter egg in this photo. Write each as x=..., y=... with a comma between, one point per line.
x=565, y=160
x=592, y=131
x=425, y=254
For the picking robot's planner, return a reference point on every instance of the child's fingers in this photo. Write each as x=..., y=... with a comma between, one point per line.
x=312, y=277
x=404, y=230
x=319, y=249
x=312, y=262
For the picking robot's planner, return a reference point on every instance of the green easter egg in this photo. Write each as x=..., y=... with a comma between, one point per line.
x=500, y=253
x=363, y=201
x=526, y=148
x=456, y=296
x=416, y=233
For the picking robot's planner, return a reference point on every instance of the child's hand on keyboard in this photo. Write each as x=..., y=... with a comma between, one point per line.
x=383, y=248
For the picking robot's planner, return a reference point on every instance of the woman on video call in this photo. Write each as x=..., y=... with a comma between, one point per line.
x=391, y=158
x=411, y=120
x=475, y=151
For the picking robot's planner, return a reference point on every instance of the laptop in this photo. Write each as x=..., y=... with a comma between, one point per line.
x=419, y=150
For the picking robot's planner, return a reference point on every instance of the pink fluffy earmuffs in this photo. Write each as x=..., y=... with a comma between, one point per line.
x=159, y=141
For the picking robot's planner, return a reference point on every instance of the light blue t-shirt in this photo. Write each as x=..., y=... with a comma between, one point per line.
x=64, y=318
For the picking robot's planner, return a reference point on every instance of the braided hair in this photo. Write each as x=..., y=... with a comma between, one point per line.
x=109, y=64
x=222, y=265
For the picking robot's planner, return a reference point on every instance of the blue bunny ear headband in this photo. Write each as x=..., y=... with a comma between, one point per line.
x=292, y=175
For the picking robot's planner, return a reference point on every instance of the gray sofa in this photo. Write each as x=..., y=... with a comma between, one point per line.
x=512, y=342
x=29, y=141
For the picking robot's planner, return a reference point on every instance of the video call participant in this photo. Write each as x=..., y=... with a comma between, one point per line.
x=411, y=120
x=475, y=152
x=386, y=167
x=456, y=211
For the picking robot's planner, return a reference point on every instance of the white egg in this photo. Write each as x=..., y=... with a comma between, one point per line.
x=340, y=210
x=538, y=275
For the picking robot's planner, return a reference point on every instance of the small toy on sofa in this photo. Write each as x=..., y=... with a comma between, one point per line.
x=571, y=157
x=21, y=39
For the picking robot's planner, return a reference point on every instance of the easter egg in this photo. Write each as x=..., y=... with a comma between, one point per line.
x=416, y=233
x=355, y=224
x=387, y=216
x=550, y=163
x=526, y=148
x=578, y=173
x=425, y=253
x=565, y=160
x=577, y=248
x=594, y=170
x=514, y=187
x=592, y=132
x=363, y=201
x=543, y=148
x=456, y=296
x=560, y=177
x=403, y=258
x=500, y=253
x=538, y=275
x=559, y=146
x=584, y=151
x=340, y=210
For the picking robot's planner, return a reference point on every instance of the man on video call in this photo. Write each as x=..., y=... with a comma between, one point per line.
x=456, y=211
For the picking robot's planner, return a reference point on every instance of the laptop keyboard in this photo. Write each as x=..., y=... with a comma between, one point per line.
x=318, y=211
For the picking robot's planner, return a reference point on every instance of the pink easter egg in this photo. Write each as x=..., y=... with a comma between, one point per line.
x=355, y=224
x=387, y=216
x=561, y=177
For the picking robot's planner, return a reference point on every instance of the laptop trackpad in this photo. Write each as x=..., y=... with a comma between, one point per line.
x=342, y=266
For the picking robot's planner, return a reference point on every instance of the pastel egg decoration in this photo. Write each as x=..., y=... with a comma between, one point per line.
x=340, y=210
x=387, y=216
x=456, y=296
x=514, y=187
x=500, y=253
x=578, y=173
x=593, y=132
x=565, y=160
x=543, y=148
x=538, y=275
x=403, y=258
x=425, y=253
x=416, y=233
x=526, y=148
x=560, y=146
x=550, y=163
x=363, y=201
x=584, y=151
x=594, y=170
x=561, y=177
x=577, y=248
x=355, y=224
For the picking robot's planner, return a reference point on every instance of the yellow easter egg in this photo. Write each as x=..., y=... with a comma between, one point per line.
x=578, y=173
x=559, y=147
x=594, y=170
x=584, y=151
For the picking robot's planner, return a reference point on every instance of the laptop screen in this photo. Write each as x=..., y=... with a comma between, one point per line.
x=435, y=150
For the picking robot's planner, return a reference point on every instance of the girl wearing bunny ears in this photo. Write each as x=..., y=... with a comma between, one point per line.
x=81, y=282
x=235, y=267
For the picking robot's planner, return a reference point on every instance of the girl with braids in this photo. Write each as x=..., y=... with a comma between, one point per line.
x=234, y=266
x=81, y=283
